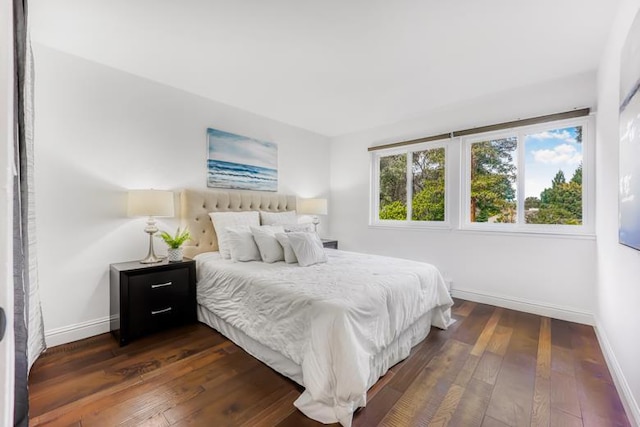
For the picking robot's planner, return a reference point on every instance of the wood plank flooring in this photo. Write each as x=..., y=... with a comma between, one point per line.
x=493, y=367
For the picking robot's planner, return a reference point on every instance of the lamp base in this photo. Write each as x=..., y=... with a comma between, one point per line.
x=151, y=257
x=151, y=260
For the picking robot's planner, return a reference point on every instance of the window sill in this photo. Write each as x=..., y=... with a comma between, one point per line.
x=545, y=234
x=411, y=226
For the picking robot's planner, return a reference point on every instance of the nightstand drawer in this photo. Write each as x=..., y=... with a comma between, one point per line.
x=145, y=319
x=159, y=289
x=158, y=300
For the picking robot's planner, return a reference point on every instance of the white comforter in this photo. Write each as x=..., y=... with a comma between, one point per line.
x=331, y=319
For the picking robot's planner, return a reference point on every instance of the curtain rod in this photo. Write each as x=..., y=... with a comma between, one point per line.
x=482, y=129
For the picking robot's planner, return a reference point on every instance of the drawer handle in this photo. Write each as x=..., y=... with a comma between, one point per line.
x=165, y=310
x=161, y=285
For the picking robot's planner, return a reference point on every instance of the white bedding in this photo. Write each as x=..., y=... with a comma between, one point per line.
x=331, y=319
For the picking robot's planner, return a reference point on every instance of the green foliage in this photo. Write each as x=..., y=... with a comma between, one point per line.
x=508, y=214
x=531, y=203
x=578, y=134
x=393, y=179
x=559, y=179
x=577, y=176
x=174, y=242
x=428, y=185
x=493, y=177
x=482, y=216
x=428, y=175
x=553, y=215
x=561, y=203
x=394, y=210
x=428, y=204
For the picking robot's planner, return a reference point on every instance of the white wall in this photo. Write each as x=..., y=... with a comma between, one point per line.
x=618, y=290
x=546, y=275
x=99, y=132
x=6, y=204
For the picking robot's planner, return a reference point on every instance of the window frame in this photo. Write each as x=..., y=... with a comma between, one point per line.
x=374, y=206
x=520, y=132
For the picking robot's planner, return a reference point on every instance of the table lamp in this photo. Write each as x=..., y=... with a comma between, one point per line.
x=313, y=207
x=150, y=203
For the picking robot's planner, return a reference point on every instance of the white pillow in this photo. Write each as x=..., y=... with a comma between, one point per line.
x=289, y=255
x=224, y=220
x=265, y=237
x=301, y=227
x=278, y=218
x=308, y=248
x=242, y=247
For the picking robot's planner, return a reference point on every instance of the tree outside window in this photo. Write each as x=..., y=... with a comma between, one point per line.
x=493, y=180
x=550, y=197
x=551, y=157
x=427, y=175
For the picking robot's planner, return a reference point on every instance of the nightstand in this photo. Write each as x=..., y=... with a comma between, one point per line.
x=330, y=243
x=147, y=298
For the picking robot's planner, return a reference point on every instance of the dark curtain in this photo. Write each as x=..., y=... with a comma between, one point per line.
x=20, y=238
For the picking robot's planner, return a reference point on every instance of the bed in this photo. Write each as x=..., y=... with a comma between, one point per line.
x=333, y=327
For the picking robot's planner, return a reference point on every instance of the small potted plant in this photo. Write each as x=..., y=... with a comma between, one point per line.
x=174, y=253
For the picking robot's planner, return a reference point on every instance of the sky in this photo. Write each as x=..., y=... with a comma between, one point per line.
x=545, y=154
x=233, y=148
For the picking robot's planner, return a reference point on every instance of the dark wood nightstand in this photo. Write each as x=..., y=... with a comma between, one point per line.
x=146, y=298
x=330, y=243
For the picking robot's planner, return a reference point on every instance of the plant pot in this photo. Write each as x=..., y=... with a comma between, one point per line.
x=174, y=255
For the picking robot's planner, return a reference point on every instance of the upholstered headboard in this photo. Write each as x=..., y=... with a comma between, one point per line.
x=196, y=205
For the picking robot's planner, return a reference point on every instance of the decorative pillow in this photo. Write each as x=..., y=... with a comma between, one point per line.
x=289, y=255
x=308, y=248
x=224, y=220
x=265, y=237
x=278, y=218
x=305, y=227
x=242, y=247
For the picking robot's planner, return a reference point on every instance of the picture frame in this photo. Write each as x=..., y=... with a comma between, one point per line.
x=629, y=160
x=241, y=163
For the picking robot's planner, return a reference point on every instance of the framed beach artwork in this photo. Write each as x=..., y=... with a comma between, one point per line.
x=241, y=163
x=629, y=196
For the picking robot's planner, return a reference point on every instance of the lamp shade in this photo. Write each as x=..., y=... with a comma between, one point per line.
x=313, y=206
x=150, y=203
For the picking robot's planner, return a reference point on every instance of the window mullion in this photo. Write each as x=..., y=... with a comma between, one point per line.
x=520, y=177
x=465, y=166
x=587, y=167
x=446, y=184
x=409, y=185
x=375, y=215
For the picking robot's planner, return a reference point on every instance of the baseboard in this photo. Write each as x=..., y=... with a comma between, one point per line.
x=527, y=306
x=628, y=400
x=76, y=332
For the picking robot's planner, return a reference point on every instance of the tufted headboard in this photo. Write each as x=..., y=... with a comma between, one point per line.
x=195, y=206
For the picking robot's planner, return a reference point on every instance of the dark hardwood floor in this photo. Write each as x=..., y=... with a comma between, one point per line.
x=493, y=367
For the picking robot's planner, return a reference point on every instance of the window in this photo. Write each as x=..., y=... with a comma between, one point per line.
x=428, y=179
x=527, y=179
x=553, y=185
x=393, y=187
x=532, y=178
x=416, y=174
x=493, y=180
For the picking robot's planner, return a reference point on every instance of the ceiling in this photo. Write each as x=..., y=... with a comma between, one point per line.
x=333, y=66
